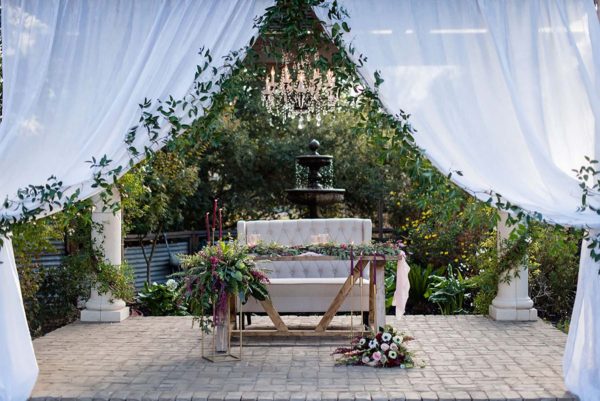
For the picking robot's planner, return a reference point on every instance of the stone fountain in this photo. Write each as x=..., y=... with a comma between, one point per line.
x=314, y=181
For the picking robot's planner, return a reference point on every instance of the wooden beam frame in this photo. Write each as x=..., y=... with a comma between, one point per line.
x=376, y=299
x=341, y=296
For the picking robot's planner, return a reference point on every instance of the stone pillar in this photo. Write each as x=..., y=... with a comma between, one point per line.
x=512, y=301
x=107, y=240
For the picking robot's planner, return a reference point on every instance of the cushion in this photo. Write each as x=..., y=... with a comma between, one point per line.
x=311, y=295
x=302, y=231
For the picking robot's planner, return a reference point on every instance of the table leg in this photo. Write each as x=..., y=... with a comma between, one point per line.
x=340, y=297
x=371, y=295
x=274, y=315
x=380, y=294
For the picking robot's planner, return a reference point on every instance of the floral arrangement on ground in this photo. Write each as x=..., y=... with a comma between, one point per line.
x=341, y=251
x=384, y=349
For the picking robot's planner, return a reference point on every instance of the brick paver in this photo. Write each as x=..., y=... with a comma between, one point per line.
x=159, y=358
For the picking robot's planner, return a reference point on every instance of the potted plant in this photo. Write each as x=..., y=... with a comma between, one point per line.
x=215, y=275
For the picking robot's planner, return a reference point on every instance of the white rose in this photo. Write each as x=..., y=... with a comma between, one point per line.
x=171, y=284
x=394, y=347
x=366, y=359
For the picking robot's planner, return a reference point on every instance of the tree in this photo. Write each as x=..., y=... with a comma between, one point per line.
x=155, y=194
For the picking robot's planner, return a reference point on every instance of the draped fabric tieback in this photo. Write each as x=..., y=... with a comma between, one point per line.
x=402, y=286
x=400, y=297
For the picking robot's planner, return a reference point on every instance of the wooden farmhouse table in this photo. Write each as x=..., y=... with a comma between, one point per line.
x=376, y=297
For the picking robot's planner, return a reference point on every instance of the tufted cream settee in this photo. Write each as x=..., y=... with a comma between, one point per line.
x=308, y=286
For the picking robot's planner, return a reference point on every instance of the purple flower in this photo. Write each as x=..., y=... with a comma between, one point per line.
x=260, y=276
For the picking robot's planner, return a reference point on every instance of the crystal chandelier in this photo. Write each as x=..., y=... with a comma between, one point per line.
x=300, y=97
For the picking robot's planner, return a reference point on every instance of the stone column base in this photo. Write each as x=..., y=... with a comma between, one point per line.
x=116, y=316
x=512, y=314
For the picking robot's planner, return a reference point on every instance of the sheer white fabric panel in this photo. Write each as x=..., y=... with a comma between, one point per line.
x=504, y=91
x=507, y=93
x=18, y=368
x=74, y=74
x=582, y=354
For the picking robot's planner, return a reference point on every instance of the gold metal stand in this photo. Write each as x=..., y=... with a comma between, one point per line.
x=216, y=345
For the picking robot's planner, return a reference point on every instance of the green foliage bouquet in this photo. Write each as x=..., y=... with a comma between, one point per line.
x=217, y=272
x=384, y=349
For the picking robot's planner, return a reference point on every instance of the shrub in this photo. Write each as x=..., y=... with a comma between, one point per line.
x=51, y=295
x=552, y=257
x=162, y=300
x=419, y=279
x=449, y=292
x=441, y=226
x=553, y=267
x=485, y=261
x=116, y=279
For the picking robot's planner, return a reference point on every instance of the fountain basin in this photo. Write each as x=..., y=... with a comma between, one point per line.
x=315, y=196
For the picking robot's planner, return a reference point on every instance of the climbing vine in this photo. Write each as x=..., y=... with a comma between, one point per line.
x=589, y=182
x=286, y=28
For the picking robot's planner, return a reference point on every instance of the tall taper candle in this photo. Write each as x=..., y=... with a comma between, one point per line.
x=207, y=229
x=215, y=213
x=220, y=224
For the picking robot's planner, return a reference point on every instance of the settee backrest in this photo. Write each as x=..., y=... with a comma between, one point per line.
x=303, y=231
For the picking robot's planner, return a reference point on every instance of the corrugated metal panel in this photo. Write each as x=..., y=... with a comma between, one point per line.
x=53, y=259
x=160, y=269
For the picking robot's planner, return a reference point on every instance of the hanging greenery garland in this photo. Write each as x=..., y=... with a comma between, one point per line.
x=287, y=27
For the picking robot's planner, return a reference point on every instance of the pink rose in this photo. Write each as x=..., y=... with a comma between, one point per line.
x=377, y=356
x=385, y=347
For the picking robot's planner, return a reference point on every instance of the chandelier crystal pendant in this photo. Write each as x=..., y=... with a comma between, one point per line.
x=308, y=94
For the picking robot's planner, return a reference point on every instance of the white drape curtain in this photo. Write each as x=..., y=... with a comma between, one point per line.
x=507, y=92
x=74, y=74
x=504, y=91
x=18, y=368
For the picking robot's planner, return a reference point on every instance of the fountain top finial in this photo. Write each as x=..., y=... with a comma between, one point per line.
x=313, y=146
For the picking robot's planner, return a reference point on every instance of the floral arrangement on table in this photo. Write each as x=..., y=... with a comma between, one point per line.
x=341, y=251
x=220, y=270
x=384, y=349
x=215, y=273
